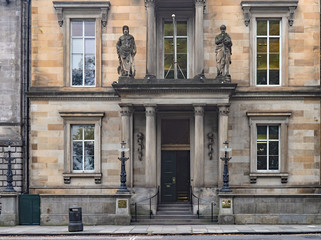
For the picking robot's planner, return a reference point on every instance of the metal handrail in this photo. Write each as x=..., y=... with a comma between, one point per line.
x=198, y=204
x=150, y=204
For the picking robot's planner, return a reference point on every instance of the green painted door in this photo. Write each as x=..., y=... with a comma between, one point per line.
x=29, y=210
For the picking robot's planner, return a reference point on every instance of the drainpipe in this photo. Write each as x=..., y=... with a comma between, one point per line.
x=25, y=88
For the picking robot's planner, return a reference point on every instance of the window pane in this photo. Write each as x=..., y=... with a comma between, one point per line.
x=168, y=61
x=90, y=70
x=89, y=163
x=273, y=163
x=77, y=149
x=76, y=28
x=181, y=45
x=274, y=148
x=274, y=27
x=261, y=61
x=274, y=45
x=89, y=132
x=90, y=46
x=274, y=132
x=261, y=77
x=261, y=45
x=262, y=27
x=261, y=148
x=170, y=74
x=168, y=45
x=181, y=29
x=182, y=61
x=77, y=45
x=274, y=61
x=261, y=132
x=89, y=148
x=168, y=29
x=77, y=163
x=77, y=69
x=261, y=163
x=180, y=74
x=90, y=28
x=76, y=132
x=274, y=77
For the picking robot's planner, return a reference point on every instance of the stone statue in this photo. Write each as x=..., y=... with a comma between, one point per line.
x=223, y=54
x=126, y=50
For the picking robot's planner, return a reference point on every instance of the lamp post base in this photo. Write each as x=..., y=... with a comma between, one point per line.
x=122, y=191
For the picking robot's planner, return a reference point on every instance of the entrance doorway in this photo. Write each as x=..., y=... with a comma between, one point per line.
x=175, y=161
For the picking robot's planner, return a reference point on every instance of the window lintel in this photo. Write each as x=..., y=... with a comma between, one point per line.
x=286, y=7
x=101, y=7
x=82, y=114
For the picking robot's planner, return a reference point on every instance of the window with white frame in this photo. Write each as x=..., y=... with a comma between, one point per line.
x=82, y=22
x=83, y=148
x=83, y=53
x=268, y=148
x=82, y=141
x=269, y=23
x=178, y=54
x=268, y=38
x=268, y=144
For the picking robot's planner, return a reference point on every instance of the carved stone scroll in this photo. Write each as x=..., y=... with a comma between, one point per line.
x=140, y=141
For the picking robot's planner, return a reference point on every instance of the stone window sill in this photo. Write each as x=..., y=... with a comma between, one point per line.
x=68, y=176
x=283, y=176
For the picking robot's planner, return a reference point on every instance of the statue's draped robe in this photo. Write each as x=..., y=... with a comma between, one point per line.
x=126, y=50
x=223, y=54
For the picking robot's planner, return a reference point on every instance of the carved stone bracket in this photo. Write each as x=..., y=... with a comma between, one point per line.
x=247, y=15
x=99, y=7
x=67, y=179
x=210, y=137
x=291, y=16
x=140, y=142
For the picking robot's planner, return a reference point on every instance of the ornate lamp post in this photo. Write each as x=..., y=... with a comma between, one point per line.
x=123, y=159
x=9, y=175
x=226, y=187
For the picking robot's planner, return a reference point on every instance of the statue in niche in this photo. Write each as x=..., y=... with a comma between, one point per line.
x=223, y=54
x=126, y=50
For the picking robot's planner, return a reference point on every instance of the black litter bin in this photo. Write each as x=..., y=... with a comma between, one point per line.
x=75, y=220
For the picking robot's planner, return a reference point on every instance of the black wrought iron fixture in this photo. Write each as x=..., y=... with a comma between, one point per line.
x=123, y=159
x=226, y=159
x=9, y=174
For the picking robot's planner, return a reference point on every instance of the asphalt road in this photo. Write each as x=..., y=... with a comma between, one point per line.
x=176, y=237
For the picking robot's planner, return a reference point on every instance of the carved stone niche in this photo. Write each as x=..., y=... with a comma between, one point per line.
x=83, y=8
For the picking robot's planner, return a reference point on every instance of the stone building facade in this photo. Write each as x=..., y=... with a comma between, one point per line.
x=175, y=128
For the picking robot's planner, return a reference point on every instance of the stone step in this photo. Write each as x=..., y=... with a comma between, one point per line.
x=194, y=221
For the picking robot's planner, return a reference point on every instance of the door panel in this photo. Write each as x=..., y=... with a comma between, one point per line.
x=168, y=176
x=183, y=175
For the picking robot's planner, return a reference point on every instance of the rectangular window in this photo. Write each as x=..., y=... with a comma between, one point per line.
x=83, y=147
x=83, y=53
x=268, y=148
x=172, y=70
x=268, y=52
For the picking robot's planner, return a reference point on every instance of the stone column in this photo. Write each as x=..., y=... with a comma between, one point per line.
x=199, y=37
x=199, y=146
x=222, y=137
x=126, y=117
x=150, y=163
x=151, y=39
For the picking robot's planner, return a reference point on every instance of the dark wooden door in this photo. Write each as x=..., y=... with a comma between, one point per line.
x=175, y=177
x=29, y=209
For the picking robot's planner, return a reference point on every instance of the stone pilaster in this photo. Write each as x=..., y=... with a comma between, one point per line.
x=199, y=37
x=222, y=137
x=150, y=163
x=151, y=67
x=199, y=146
x=126, y=135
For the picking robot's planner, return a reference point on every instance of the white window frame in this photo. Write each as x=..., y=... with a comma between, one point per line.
x=283, y=10
x=268, y=52
x=269, y=118
x=83, y=37
x=161, y=19
x=268, y=150
x=69, y=10
x=82, y=118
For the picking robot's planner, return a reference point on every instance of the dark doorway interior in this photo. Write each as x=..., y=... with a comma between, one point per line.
x=175, y=166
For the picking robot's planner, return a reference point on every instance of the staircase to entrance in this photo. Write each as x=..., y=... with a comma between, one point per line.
x=173, y=214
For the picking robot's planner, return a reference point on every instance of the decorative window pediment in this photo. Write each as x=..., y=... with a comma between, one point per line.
x=76, y=6
x=282, y=7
